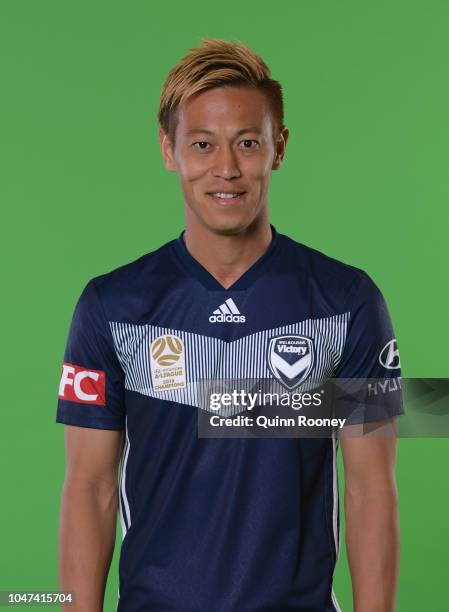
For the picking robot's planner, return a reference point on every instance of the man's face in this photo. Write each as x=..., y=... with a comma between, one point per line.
x=224, y=152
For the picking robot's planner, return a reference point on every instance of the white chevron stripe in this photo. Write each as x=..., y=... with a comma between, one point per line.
x=209, y=358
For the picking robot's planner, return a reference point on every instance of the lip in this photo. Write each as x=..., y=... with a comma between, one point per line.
x=237, y=199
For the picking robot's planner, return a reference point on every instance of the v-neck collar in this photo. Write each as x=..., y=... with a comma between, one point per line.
x=209, y=281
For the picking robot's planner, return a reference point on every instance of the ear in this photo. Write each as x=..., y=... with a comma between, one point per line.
x=281, y=144
x=167, y=150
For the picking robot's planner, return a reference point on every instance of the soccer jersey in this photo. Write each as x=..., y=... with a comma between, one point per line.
x=222, y=524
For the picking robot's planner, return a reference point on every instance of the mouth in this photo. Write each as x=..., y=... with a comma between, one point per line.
x=225, y=198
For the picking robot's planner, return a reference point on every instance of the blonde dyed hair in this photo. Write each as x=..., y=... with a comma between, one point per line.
x=217, y=63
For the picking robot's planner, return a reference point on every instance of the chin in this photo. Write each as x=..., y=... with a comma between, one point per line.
x=228, y=226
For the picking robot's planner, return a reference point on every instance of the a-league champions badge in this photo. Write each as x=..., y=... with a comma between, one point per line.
x=167, y=361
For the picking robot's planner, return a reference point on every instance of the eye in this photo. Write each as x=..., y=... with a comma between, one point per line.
x=201, y=145
x=249, y=144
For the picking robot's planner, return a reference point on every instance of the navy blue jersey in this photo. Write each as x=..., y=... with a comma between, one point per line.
x=210, y=524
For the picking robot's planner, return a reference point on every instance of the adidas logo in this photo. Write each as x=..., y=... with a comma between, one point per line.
x=227, y=313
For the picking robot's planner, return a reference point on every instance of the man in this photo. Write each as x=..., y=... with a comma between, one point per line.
x=222, y=524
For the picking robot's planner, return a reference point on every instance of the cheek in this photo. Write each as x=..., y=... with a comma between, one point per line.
x=259, y=169
x=191, y=169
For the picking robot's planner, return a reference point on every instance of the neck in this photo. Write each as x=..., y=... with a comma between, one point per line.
x=227, y=257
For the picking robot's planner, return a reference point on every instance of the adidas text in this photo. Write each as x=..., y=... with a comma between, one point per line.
x=227, y=318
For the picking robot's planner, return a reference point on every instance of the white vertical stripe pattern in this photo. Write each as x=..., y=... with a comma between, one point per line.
x=209, y=358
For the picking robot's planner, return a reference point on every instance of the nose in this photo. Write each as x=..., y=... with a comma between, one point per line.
x=226, y=163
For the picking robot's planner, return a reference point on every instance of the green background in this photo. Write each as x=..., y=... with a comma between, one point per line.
x=83, y=191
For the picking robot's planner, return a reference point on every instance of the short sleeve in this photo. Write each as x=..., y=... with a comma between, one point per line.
x=91, y=388
x=369, y=372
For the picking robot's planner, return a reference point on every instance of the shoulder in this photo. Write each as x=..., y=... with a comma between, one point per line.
x=319, y=263
x=130, y=272
x=122, y=288
x=328, y=275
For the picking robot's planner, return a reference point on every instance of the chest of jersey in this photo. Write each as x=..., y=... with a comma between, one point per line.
x=193, y=337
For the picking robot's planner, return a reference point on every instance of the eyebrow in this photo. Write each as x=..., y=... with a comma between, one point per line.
x=239, y=133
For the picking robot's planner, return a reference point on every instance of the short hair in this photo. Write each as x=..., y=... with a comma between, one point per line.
x=217, y=63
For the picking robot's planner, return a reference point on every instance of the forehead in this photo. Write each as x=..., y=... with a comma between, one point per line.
x=225, y=107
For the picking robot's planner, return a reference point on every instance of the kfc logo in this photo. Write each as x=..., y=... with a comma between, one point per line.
x=81, y=385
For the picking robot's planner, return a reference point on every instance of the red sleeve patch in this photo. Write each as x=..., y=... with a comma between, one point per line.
x=82, y=386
